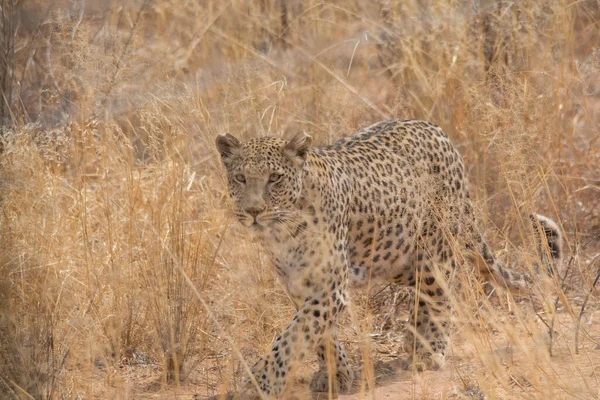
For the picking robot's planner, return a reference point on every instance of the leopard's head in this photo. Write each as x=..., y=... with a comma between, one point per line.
x=264, y=176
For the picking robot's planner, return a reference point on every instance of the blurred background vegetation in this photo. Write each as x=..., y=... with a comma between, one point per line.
x=120, y=274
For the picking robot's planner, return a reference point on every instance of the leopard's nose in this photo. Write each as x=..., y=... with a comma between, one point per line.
x=254, y=211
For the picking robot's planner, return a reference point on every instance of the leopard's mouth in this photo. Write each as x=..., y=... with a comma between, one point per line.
x=256, y=225
x=250, y=222
x=260, y=221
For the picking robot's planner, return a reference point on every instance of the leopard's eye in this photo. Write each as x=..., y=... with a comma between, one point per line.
x=274, y=178
x=240, y=178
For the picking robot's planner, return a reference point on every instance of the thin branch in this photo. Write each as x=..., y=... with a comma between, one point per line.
x=79, y=19
x=113, y=80
x=562, y=287
x=587, y=297
x=4, y=103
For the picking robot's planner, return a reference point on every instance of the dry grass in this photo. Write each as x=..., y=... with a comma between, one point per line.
x=120, y=275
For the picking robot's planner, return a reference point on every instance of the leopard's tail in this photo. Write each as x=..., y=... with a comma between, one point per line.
x=549, y=240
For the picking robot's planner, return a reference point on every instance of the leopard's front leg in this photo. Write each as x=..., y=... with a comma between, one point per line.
x=318, y=286
x=311, y=323
x=334, y=369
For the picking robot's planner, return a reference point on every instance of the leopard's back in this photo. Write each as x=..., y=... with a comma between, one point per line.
x=406, y=176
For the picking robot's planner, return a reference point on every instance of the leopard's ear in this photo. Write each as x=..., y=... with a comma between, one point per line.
x=297, y=148
x=228, y=146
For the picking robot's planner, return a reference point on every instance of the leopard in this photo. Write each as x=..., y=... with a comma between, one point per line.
x=388, y=203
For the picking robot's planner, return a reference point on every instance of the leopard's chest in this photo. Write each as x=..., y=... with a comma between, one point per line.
x=298, y=258
x=285, y=248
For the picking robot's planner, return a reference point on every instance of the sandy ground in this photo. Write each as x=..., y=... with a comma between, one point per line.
x=573, y=376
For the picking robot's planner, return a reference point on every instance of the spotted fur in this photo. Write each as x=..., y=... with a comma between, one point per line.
x=388, y=203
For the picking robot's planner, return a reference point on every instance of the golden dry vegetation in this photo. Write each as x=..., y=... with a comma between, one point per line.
x=121, y=275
